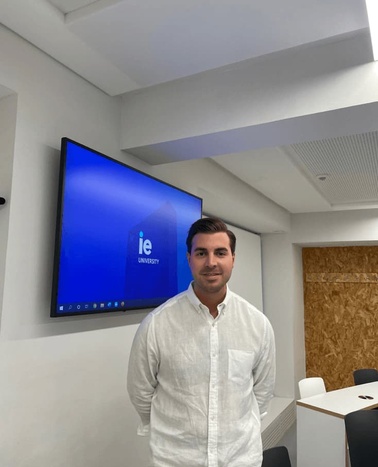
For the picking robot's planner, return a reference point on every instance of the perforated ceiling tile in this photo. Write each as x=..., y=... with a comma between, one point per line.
x=344, y=170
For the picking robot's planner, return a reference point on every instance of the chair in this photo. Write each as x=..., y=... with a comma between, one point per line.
x=362, y=435
x=311, y=387
x=276, y=457
x=365, y=375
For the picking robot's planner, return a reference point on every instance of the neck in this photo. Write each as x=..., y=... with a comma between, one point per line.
x=211, y=300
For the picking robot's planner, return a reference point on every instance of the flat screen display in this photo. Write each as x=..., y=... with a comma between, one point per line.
x=120, y=239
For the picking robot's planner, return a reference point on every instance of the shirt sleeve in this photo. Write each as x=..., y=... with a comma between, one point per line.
x=142, y=373
x=265, y=371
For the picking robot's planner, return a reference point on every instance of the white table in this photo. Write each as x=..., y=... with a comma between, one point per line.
x=321, y=437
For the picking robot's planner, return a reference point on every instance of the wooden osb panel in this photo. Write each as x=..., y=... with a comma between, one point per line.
x=341, y=312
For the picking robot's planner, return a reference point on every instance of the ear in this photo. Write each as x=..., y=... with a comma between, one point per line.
x=188, y=257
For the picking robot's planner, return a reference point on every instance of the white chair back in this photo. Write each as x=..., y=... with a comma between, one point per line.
x=311, y=387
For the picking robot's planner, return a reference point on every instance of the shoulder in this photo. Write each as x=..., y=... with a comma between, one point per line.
x=170, y=306
x=241, y=303
x=162, y=318
x=244, y=309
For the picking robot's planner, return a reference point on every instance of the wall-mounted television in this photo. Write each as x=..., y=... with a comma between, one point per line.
x=120, y=236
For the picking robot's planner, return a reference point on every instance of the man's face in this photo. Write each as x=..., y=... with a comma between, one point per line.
x=211, y=262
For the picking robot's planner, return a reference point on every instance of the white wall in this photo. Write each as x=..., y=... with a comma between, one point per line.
x=343, y=227
x=62, y=393
x=246, y=279
x=283, y=305
x=8, y=109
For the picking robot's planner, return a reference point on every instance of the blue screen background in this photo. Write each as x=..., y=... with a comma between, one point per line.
x=107, y=209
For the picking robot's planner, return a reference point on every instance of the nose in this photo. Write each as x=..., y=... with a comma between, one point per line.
x=211, y=260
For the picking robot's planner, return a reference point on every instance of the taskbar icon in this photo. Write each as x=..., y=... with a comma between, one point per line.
x=88, y=307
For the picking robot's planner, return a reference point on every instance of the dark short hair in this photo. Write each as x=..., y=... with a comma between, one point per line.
x=209, y=225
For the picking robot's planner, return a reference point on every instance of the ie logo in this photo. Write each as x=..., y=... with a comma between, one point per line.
x=145, y=245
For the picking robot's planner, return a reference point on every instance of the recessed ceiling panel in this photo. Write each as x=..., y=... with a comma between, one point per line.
x=158, y=41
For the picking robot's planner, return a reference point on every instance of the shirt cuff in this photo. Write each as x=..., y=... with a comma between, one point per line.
x=143, y=430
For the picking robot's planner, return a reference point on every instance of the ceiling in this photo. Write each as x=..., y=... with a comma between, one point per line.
x=122, y=46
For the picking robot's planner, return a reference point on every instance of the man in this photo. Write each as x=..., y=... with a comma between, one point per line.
x=202, y=365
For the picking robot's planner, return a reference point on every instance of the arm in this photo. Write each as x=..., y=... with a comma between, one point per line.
x=142, y=372
x=265, y=371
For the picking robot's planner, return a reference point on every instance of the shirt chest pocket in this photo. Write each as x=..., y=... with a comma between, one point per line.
x=240, y=366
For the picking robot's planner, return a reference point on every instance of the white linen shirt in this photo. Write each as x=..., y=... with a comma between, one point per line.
x=201, y=383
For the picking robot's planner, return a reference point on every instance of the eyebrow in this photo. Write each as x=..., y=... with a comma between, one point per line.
x=216, y=249
x=200, y=249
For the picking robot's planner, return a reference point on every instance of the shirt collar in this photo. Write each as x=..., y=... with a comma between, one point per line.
x=198, y=305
